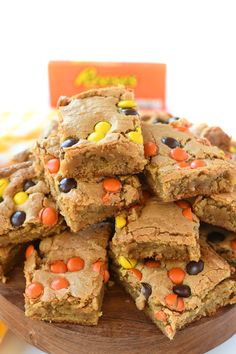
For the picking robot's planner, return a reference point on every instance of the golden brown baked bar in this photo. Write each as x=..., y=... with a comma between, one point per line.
x=182, y=166
x=100, y=134
x=27, y=211
x=65, y=281
x=174, y=293
x=215, y=135
x=83, y=203
x=217, y=209
x=158, y=230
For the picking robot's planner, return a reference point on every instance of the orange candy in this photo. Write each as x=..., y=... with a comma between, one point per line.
x=187, y=213
x=176, y=275
x=171, y=301
x=53, y=165
x=161, y=316
x=180, y=305
x=137, y=273
x=183, y=204
x=48, y=216
x=59, y=283
x=34, y=290
x=178, y=154
x=99, y=266
x=233, y=244
x=183, y=164
x=182, y=129
x=58, y=267
x=174, y=302
x=197, y=163
x=150, y=149
x=29, y=251
x=152, y=264
x=75, y=264
x=111, y=185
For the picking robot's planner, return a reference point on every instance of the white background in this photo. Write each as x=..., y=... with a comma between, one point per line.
x=196, y=39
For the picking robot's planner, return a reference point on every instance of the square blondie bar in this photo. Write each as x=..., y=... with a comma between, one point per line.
x=174, y=293
x=65, y=281
x=217, y=209
x=182, y=166
x=83, y=203
x=100, y=134
x=223, y=241
x=27, y=211
x=158, y=230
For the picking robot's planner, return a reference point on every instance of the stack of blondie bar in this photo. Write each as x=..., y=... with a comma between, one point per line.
x=104, y=184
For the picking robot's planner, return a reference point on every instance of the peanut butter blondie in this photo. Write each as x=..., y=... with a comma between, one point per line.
x=158, y=230
x=83, y=203
x=223, y=241
x=217, y=209
x=215, y=135
x=100, y=134
x=182, y=166
x=65, y=281
x=9, y=257
x=174, y=293
x=27, y=211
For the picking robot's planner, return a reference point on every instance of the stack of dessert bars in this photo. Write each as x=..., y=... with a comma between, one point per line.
x=104, y=184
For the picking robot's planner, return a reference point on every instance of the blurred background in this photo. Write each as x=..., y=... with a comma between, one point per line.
x=195, y=39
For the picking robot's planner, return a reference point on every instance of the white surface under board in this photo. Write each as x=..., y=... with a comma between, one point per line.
x=14, y=345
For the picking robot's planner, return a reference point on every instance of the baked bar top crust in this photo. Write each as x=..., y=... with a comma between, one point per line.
x=156, y=223
x=86, y=202
x=100, y=134
x=174, y=293
x=78, y=118
x=217, y=209
x=84, y=284
x=201, y=168
x=23, y=196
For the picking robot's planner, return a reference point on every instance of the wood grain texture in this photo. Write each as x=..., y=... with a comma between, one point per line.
x=122, y=329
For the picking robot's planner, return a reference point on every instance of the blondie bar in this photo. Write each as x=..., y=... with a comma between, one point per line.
x=27, y=211
x=217, y=209
x=223, y=241
x=182, y=166
x=83, y=203
x=100, y=134
x=9, y=257
x=158, y=230
x=174, y=293
x=65, y=281
x=215, y=135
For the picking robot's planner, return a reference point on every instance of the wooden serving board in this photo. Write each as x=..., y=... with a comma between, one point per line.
x=122, y=329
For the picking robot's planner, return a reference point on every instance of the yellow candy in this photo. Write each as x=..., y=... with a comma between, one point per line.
x=127, y=104
x=20, y=198
x=127, y=263
x=120, y=221
x=3, y=185
x=232, y=149
x=96, y=136
x=136, y=136
x=102, y=127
